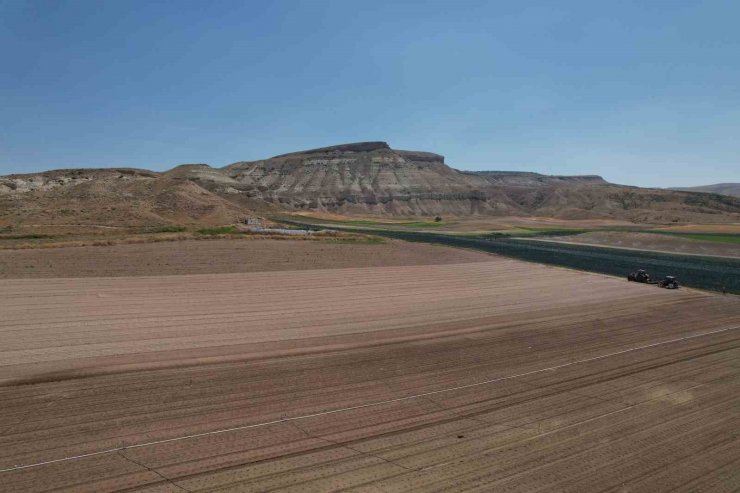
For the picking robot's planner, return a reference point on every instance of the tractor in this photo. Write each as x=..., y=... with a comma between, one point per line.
x=639, y=276
x=669, y=282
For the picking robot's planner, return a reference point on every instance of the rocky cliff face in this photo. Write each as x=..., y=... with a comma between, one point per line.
x=365, y=177
x=371, y=177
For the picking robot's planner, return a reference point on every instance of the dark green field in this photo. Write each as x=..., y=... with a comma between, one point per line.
x=712, y=273
x=715, y=237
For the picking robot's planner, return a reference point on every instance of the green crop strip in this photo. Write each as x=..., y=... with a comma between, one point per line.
x=224, y=230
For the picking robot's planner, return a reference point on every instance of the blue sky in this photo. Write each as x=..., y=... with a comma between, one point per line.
x=644, y=93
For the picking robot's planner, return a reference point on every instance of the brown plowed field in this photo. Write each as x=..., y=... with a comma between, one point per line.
x=221, y=256
x=652, y=242
x=484, y=376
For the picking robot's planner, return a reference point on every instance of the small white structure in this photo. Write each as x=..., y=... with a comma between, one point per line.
x=254, y=221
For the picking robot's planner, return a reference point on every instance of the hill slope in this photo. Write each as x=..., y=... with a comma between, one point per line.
x=109, y=197
x=731, y=189
x=365, y=177
x=370, y=177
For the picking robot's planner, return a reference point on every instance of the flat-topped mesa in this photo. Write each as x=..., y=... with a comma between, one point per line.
x=353, y=147
x=353, y=178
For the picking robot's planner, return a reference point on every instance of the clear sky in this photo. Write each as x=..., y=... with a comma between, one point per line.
x=641, y=92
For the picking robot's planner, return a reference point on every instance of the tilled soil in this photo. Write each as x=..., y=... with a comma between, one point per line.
x=220, y=256
x=656, y=242
x=485, y=376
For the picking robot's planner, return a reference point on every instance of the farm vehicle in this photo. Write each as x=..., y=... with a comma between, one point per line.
x=668, y=282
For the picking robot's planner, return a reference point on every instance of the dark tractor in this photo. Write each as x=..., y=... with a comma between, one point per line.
x=639, y=276
x=669, y=282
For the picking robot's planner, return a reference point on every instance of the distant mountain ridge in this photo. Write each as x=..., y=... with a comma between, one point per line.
x=357, y=178
x=731, y=189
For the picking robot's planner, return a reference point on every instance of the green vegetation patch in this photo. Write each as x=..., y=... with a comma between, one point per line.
x=523, y=231
x=356, y=222
x=221, y=230
x=370, y=222
x=358, y=240
x=30, y=236
x=411, y=224
x=422, y=224
x=166, y=229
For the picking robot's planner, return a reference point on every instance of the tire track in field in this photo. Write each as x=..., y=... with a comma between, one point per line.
x=371, y=404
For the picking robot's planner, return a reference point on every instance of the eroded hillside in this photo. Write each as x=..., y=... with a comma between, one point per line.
x=109, y=197
x=360, y=178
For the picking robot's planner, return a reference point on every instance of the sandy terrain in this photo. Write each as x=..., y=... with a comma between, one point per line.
x=220, y=256
x=485, y=376
x=655, y=242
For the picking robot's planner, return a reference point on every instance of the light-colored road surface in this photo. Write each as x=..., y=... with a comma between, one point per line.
x=487, y=376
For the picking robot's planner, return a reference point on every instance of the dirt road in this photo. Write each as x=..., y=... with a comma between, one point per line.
x=485, y=376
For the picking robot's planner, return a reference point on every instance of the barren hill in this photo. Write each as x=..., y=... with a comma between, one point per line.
x=732, y=189
x=109, y=197
x=371, y=177
x=365, y=177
